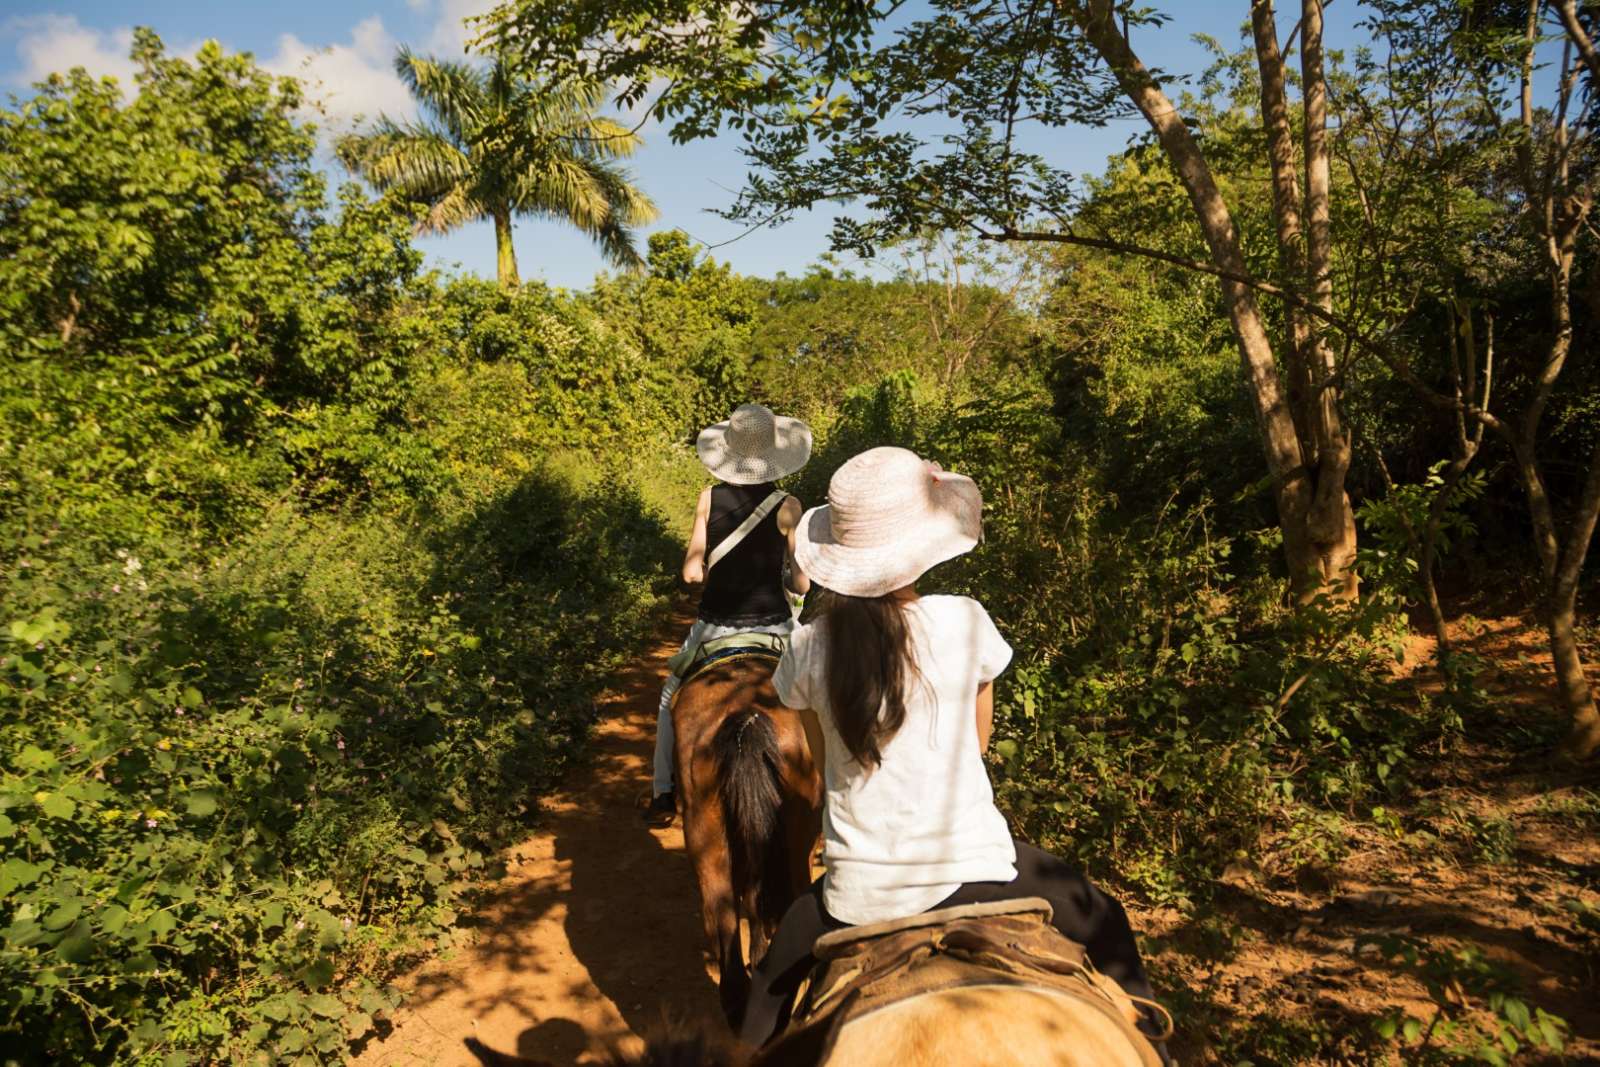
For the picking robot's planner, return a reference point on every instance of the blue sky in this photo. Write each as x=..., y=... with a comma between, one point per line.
x=345, y=49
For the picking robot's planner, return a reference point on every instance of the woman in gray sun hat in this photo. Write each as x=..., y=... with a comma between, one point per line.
x=743, y=585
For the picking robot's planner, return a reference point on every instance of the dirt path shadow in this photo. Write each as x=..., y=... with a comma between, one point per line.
x=593, y=937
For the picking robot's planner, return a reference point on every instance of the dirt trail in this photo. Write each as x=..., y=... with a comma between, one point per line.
x=593, y=937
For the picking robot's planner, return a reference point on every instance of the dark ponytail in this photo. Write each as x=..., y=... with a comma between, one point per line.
x=870, y=663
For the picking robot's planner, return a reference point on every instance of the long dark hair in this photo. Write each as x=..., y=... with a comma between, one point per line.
x=871, y=663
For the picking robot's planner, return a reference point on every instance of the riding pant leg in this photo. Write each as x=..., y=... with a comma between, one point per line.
x=775, y=980
x=661, y=772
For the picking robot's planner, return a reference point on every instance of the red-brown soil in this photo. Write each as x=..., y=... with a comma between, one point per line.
x=593, y=937
x=1488, y=849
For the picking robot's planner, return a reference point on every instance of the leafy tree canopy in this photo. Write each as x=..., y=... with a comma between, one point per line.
x=935, y=121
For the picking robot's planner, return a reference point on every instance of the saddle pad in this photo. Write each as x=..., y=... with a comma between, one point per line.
x=690, y=661
x=702, y=665
x=835, y=942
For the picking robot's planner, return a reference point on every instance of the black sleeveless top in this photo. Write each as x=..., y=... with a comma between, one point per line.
x=745, y=588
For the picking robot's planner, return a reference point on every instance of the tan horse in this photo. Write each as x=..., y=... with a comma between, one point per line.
x=990, y=984
x=750, y=797
x=991, y=1026
x=986, y=985
x=982, y=1027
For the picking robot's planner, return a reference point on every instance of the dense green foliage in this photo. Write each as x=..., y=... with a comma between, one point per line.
x=314, y=562
x=304, y=602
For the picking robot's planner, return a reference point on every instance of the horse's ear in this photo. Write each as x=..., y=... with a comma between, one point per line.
x=490, y=1058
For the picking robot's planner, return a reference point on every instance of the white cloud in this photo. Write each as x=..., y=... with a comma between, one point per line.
x=450, y=34
x=347, y=81
x=344, y=80
x=48, y=44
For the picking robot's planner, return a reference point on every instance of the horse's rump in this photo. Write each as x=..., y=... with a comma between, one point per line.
x=749, y=794
x=983, y=984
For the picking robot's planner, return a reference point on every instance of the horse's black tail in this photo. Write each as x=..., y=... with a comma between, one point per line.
x=748, y=764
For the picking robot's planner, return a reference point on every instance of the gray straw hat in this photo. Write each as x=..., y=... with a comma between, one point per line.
x=754, y=446
x=890, y=516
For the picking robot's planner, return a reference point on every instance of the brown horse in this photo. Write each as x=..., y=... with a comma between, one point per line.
x=750, y=797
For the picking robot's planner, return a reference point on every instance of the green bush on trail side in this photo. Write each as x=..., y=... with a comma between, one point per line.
x=315, y=563
x=310, y=580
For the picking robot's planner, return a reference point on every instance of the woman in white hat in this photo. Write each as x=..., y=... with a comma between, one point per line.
x=744, y=591
x=897, y=691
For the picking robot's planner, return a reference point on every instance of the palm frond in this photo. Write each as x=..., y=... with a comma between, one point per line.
x=415, y=160
x=565, y=111
x=452, y=91
x=598, y=199
x=456, y=208
x=563, y=186
x=618, y=246
x=629, y=204
x=604, y=138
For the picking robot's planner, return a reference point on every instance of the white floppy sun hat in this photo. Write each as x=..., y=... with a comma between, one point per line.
x=890, y=516
x=754, y=446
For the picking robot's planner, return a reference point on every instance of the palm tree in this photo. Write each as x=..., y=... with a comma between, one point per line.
x=492, y=145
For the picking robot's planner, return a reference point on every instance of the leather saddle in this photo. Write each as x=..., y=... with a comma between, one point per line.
x=864, y=969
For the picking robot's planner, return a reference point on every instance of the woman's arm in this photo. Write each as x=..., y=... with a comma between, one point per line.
x=789, y=513
x=694, y=560
x=985, y=715
x=813, y=728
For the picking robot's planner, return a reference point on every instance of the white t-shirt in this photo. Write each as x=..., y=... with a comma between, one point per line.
x=900, y=838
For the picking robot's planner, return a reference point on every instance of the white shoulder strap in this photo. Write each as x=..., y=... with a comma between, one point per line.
x=731, y=542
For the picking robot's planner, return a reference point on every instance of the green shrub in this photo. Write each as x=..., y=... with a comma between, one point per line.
x=235, y=789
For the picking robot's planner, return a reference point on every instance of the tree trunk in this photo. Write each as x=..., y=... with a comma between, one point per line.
x=1332, y=523
x=505, y=252
x=1430, y=551
x=1462, y=339
x=1285, y=209
x=1279, y=438
x=1584, y=739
